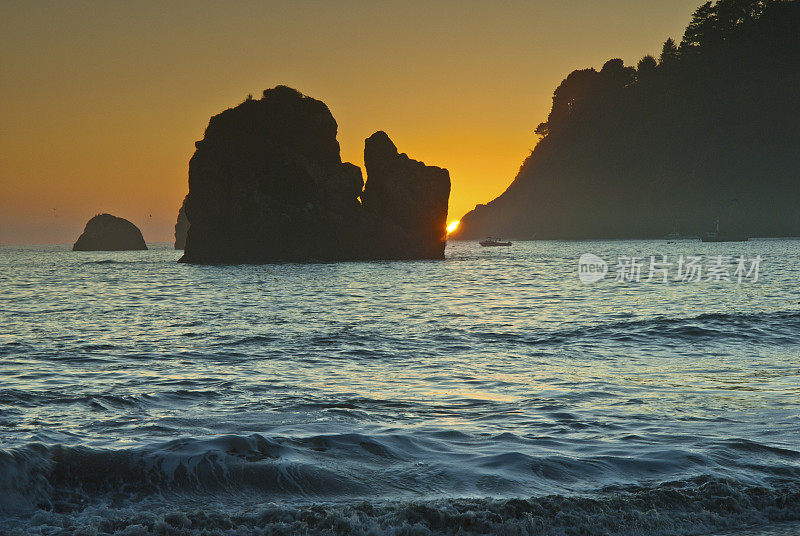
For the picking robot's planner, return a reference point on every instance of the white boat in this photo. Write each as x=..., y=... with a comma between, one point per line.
x=493, y=242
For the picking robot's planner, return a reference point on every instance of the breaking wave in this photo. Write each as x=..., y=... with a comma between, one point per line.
x=355, y=484
x=685, y=508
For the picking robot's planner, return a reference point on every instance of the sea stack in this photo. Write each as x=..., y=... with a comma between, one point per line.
x=267, y=184
x=181, y=227
x=105, y=232
x=408, y=193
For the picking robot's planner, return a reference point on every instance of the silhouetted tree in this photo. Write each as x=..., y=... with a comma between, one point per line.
x=615, y=75
x=669, y=52
x=701, y=27
x=542, y=129
x=567, y=98
x=731, y=14
x=716, y=22
x=646, y=67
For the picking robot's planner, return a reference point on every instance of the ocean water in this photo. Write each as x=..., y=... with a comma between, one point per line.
x=490, y=393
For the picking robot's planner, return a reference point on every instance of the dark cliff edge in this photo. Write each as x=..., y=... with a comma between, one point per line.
x=708, y=131
x=181, y=227
x=267, y=184
x=105, y=232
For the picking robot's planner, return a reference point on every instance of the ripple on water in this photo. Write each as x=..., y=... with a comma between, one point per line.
x=488, y=375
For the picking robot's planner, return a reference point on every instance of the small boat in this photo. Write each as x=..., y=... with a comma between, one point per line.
x=716, y=236
x=493, y=242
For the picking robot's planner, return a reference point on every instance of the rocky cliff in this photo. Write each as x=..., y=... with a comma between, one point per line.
x=181, y=227
x=267, y=184
x=707, y=131
x=105, y=232
x=408, y=194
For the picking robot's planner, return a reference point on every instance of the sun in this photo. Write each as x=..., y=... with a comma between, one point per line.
x=452, y=226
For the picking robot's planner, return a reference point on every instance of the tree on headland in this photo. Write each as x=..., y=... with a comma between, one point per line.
x=580, y=91
x=715, y=23
x=700, y=28
x=568, y=97
x=646, y=66
x=669, y=52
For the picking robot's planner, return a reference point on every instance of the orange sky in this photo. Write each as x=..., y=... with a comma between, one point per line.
x=101, y=102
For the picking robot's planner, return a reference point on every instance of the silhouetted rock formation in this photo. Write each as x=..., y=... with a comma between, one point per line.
x=408, y=193
x=105, y=232
x=267, y=184
x=707, y=131
x=181, y=227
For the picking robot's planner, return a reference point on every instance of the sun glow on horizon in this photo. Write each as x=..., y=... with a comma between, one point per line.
x=452, y=226
x=129, y=157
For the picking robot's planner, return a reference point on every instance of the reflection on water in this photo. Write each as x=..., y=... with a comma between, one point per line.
x=495, y=373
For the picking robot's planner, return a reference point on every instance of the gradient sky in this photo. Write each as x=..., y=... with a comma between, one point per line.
x=101, y=102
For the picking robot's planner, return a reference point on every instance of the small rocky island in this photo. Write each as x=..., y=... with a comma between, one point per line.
x=267, y=184
x=105, y=232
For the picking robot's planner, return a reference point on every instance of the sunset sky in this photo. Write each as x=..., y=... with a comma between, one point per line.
x=101, y=102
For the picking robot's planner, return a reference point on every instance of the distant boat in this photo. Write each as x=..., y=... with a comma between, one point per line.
x=493, y=242
x=716, y=236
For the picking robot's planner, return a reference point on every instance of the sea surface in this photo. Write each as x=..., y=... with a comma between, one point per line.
x=489, y=393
